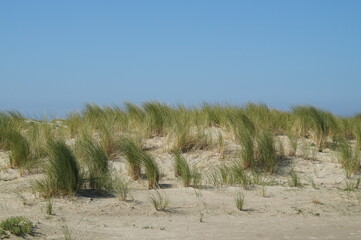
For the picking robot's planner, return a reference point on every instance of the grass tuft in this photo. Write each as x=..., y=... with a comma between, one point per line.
x=160, y=202
x=62, y=175
x=239, y=200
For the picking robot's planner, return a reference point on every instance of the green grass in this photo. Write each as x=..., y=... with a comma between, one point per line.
x=151, y=170
x=136, y=158
x=98, y=175
x=266, y=152
x=20, y=151
x=62, y=174
x=133, y=154
x=182, y=169
x=246, y=139
x=121, y=188
x=293, y=141
x=317, y=123
x=157, y=116
x=49, y=206
x=349, y=158
x=190, y=175
x=239, y=200
x=159, y=201
x=19, y=226
x=295, y=180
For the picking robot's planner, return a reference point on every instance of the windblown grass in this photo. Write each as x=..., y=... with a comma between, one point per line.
x=239, y=199
x=190, y=175
x=159, y=201
x=157, y=116
x=98, y=173
x=151, y=170
x=319, y=123
x=266, y=152
x=349, y=158
x=20, y=152
x=133, y=154
x=62, y=174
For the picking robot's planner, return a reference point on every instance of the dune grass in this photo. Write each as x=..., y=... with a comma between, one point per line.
x=349, y=158
x=151, y=170
x=190, y=175
x=239, y=200
x=319, y=123
x=62, y=173
x=266, y=152
x=159, y=201
x=98, y=175
x=133, y=153
x=246, y=139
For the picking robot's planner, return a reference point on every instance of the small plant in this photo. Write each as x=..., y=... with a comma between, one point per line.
x=295, y=180
x=312, y=182
x=293, y=145
x=239, y=199
x=160, y=202
x=349, y=158
x=121, y=188
x=151, y=170
x=246, y=140
x=133, y=154
x=352, y=186
x=237, y=175
x=66, y=232
x=196, y=177
x=263, y=191
x=220, y=142
x=182, y=168
x=17, y=225
x=49, y=206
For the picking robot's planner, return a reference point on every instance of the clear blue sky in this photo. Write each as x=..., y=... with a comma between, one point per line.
x=57, y=55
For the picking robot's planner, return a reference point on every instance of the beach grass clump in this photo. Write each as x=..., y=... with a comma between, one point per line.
x=159, y=201
x=20, y=151
x=295, y=180
x=6, y=125
x=62, y=173
x=157, y=116
x=190, y=175
x=120, y=188
x=239, y=123
x=293, y=143
x=239, y=200
x=98, y=175
x=349, y=158
x=266, y=152
x=188, y=137
x=214, y=115
x=19, y=226
x=151, y=170
x=246, y=140
x=220, y=175
x=133, y=154
x=237, y=175
x=312, y=121
x=136, y=158
x=109, y=141
x=357, y=131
